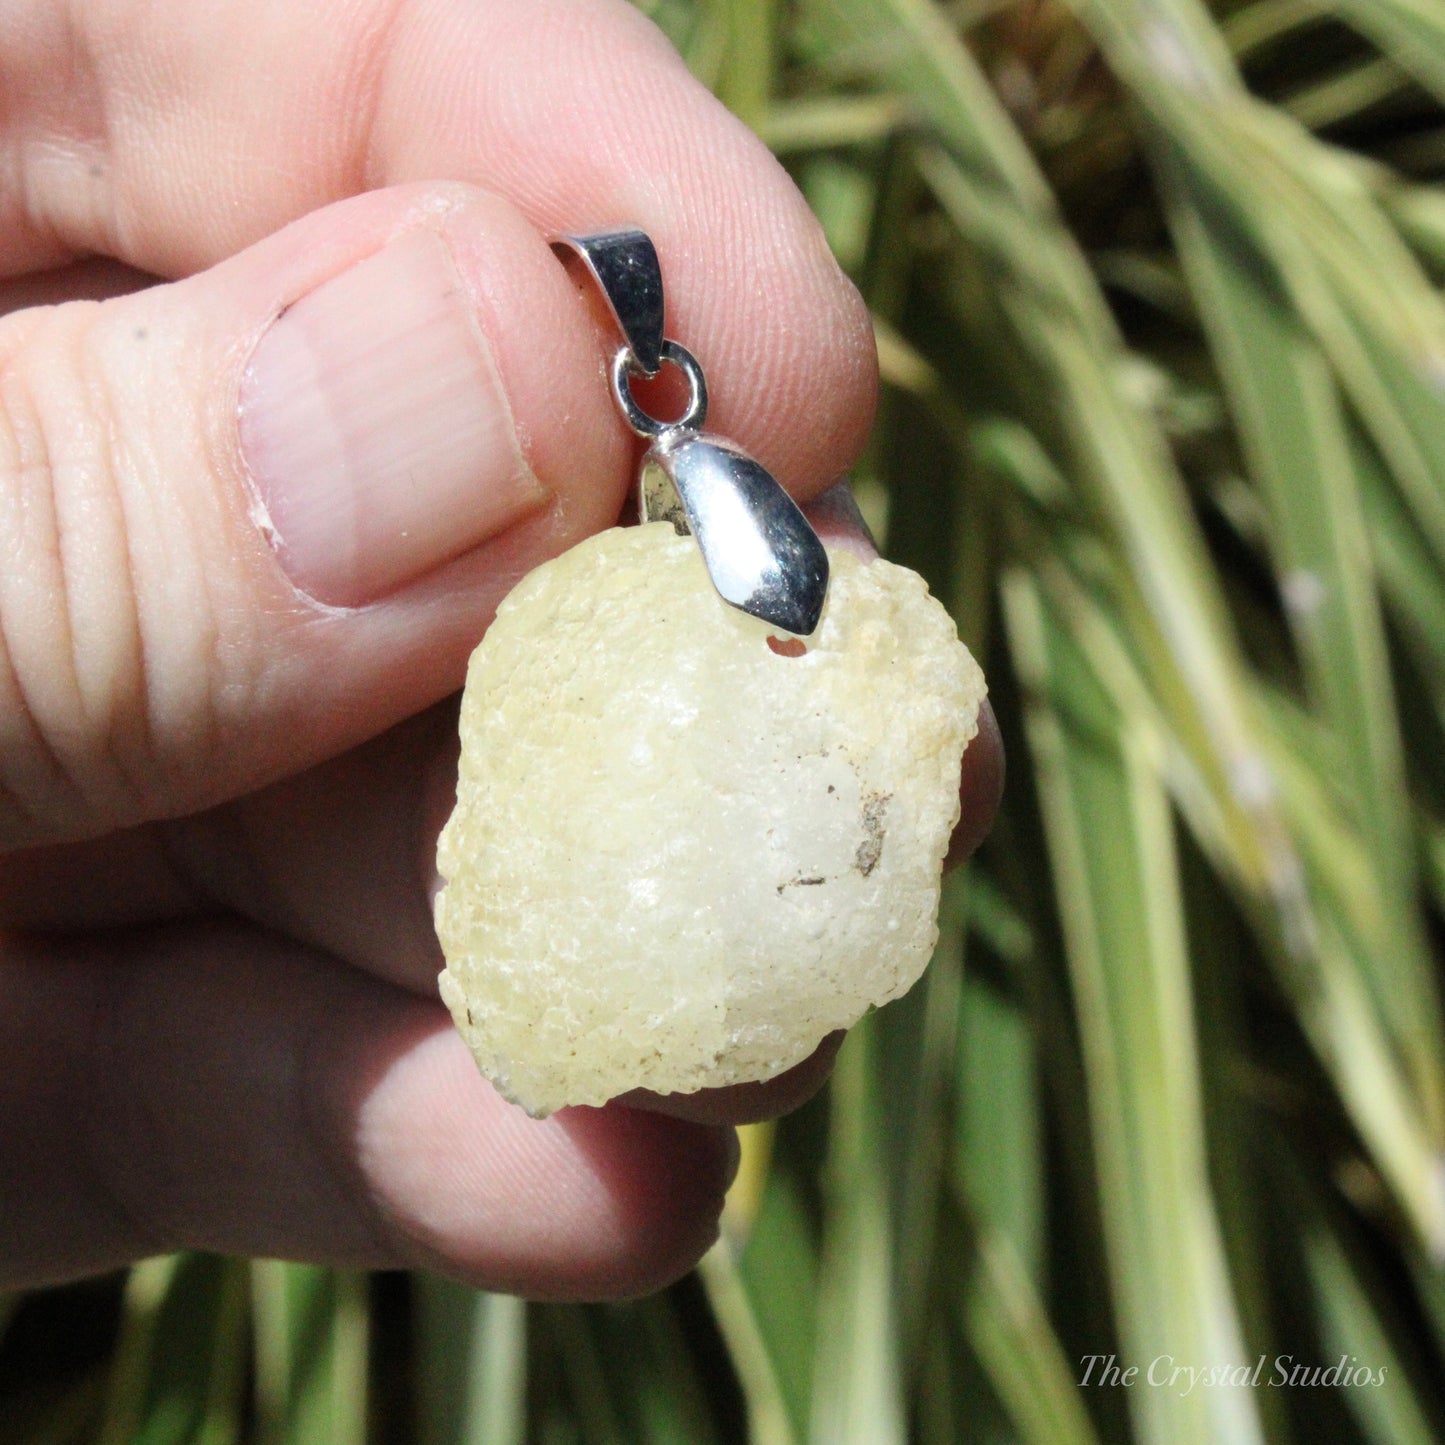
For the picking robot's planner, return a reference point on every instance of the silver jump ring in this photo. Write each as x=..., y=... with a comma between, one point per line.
x=625, y=366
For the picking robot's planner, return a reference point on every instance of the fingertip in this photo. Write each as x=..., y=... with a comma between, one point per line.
x=750, y=1103
x=839, y=521
x=981, y=785
x=587, y=1204
x=667, y=1178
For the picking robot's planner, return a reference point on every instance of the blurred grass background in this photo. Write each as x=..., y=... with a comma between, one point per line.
x=1157, y=294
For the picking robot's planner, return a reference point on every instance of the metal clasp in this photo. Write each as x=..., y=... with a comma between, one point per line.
x=760, y=550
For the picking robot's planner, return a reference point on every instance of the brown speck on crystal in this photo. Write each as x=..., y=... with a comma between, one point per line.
x=865, y=860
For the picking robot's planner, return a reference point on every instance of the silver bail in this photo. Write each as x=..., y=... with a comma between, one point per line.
x=761, y=552
x=623, y=262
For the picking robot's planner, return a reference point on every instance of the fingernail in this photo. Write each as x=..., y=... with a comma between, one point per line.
x=376, y=430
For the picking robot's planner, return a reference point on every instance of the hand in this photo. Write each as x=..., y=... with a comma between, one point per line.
x=257, y=505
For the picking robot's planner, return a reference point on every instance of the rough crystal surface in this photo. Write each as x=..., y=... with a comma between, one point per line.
x=680, y=855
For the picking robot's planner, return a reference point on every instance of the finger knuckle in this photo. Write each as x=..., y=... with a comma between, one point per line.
x=73, y=676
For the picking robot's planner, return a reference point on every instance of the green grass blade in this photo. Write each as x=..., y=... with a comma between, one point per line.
x=1429, y=1281
x=1387, y=1413
x=857, y=1381
x=917, y=1040
x=779, y=1271
x=1004, y=1321
x=1111, y=846
x=998, y=1147
x=311, y=1329
x=1410, y=32
x=596, y=1407
x=829, y=122
x=630, y=1373
x=1323, y=982
x=1238, y=1088
x=1260, y=23
x=472, y=1348
x=912, y=43
x=1079, y=379
x=1362, y=1326
x=1413, y=585
x=746, y=83
x=1308, y=211
x=1340, y=97
x=1293, y=430
x=770, y=1421
x=673, y=1401
x=179, y=1367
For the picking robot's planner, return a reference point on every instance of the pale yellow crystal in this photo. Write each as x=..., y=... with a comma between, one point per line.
x=679, y=858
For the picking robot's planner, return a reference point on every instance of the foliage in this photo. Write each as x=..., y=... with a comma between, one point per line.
x=1155, y=288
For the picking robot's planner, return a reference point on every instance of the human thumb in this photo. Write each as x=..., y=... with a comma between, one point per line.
x=257, y=515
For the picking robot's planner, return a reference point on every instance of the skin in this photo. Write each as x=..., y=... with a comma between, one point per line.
x=219, y=801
